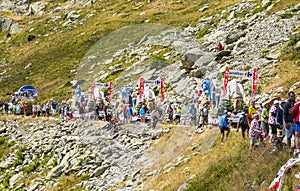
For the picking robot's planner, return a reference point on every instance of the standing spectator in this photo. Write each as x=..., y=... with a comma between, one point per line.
x=254, y=132
x=272, y=120
x=296, y=117
x=129, y=113
x=134, y=98
x=142, y=113
x=170, y=113
x=265, y=118
x=124, y=112
x=53, y=107
x=47, y=107
x=224, y=125
x=204, y=113
x=252, y=109
x=108, y=113
x=279, y=121
x=288, y=119
x=193, y=115
x=38, y=110
x=178, y=114
x=25, y=106
x=243, y=123
x=154, y=117
x=34, y=110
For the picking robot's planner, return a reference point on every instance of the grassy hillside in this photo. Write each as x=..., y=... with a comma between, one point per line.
x=222, y=167
x=58, y=50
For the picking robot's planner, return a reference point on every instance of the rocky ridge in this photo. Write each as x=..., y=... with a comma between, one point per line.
x=107, y=156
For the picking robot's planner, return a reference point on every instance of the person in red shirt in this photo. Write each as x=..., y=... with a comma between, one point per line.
x=296, y=117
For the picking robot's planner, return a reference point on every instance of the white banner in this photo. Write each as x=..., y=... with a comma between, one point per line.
x=243, y=74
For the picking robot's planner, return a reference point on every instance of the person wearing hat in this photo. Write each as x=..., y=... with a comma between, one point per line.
x=254, y=132
x=224, y=125
x=272, y=119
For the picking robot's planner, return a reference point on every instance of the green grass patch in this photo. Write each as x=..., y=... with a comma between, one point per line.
x=291, y=52
x=286, y=15
x=5, y=147
x=20, y=156
x=203, y=31
x=67, y=181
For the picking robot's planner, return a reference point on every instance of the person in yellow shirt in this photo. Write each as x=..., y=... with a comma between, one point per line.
x=252, y=110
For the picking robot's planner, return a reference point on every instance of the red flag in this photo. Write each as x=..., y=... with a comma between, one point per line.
x=110, y=90
x=226, y=78
x=255, y=81
x=162, y=89
x=92, y=90
x=141, y=87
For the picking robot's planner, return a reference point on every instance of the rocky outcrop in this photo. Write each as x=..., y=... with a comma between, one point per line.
x=19, y=8
x=107, y=155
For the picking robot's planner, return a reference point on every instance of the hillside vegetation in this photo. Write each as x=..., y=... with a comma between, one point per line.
x=56, y=51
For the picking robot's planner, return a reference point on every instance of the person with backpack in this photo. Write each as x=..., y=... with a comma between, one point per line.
x=243, y=123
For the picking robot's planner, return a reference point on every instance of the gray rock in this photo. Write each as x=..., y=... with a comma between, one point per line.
x=190, y=57
x=234, y=35
x=38, y=7
x=183, y=187
x=100, y=170
x=55, y=172
x=15, y=29
x=265, y=3
x=222, y=53
x=5, y=23
x=14, y=179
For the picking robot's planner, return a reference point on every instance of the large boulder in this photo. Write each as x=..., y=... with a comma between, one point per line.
x=190, y=57
x=234, y=35
x=38, y=7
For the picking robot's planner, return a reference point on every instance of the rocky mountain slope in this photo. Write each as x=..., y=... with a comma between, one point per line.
x=250, y=32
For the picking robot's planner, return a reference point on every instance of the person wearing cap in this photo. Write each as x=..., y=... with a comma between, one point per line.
x=252, y=109
x=254, y=132
x=224, y=125
x=288, y=121
x=296, y=117
x=272, y=119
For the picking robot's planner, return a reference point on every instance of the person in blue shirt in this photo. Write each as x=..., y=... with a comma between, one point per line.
x=224, y=125
x=193, y=115
x=143, y=113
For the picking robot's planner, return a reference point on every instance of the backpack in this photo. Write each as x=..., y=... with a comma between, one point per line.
x=243, y=119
